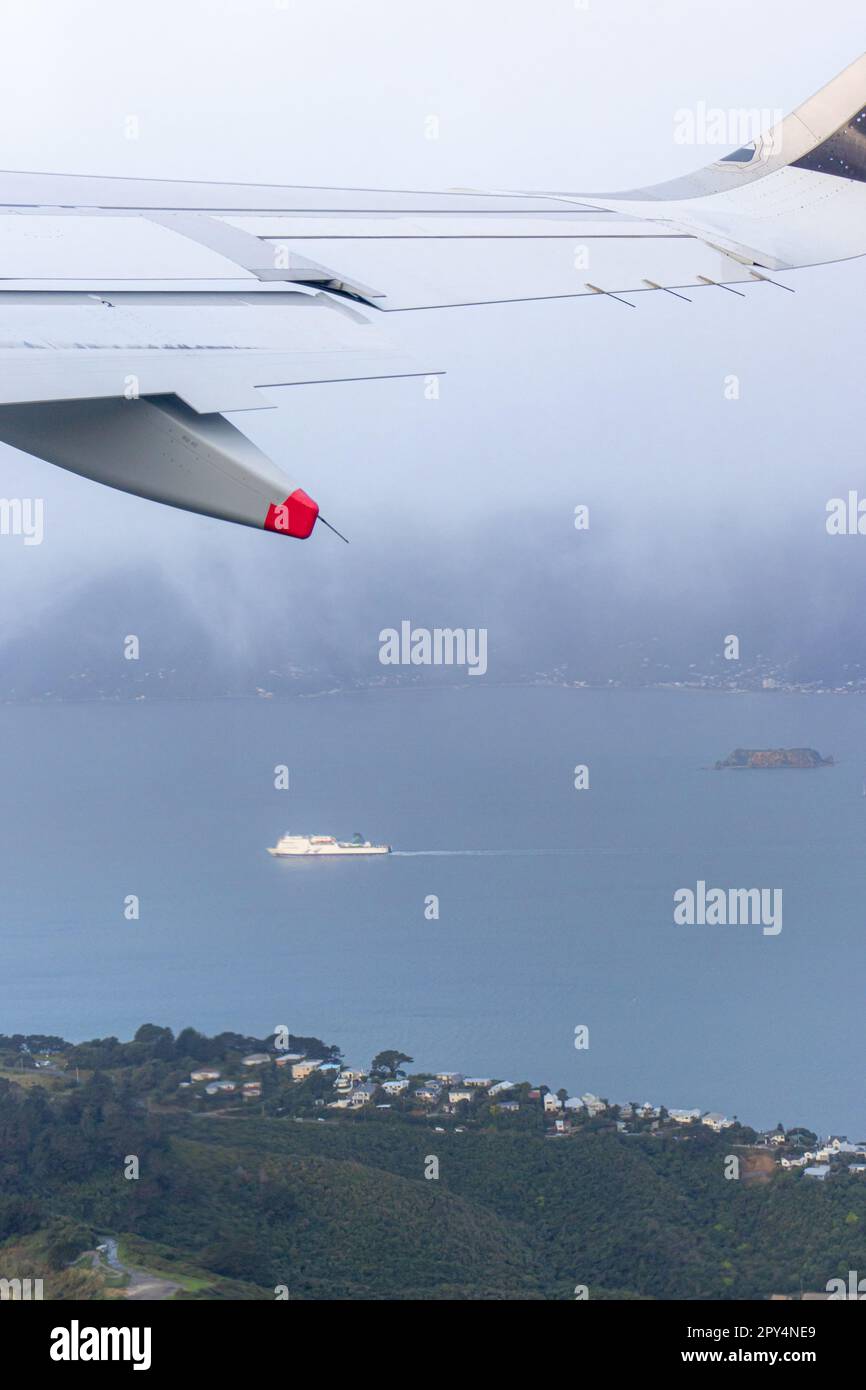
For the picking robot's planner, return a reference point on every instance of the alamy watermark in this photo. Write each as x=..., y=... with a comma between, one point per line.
x=846, y=516
x=77, y=1343
x=741, y=126
x=438, y=646
x=23, y=516
x=20, y=1290
x=854, y=1288
x=721, y=907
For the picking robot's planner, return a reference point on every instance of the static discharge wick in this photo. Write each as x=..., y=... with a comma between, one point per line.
x=333, y=528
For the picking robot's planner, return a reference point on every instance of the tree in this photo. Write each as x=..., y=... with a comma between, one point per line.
x=802, y=1138
x=190, y=1043
x=158, y=1041
x=236, y=1255
x=151, y=1033
x=389, y=1064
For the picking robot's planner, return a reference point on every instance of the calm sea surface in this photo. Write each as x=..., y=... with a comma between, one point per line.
x=555, y=906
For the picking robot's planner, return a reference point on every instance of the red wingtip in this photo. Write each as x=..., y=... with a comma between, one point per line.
x=294, y=517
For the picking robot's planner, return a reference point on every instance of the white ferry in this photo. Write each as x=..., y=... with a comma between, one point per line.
x=324, y=844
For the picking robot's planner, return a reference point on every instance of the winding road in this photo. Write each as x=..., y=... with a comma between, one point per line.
x=140, y=1284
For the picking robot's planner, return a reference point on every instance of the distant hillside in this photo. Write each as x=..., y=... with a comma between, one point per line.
x=221, y=629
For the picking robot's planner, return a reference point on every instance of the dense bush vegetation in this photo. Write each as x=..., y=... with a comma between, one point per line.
x=238, y=1203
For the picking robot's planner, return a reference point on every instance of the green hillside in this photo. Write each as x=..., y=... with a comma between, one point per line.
x=241, y=1200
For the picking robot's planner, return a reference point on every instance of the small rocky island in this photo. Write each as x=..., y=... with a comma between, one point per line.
x=774, y=757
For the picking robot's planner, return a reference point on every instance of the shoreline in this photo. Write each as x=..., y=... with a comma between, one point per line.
x=42, y=702
x=419, y=1072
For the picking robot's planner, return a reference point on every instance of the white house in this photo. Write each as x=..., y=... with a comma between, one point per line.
x=449, y=1078
x=684, y=1117
x=396, y=1086
x=455, y=1097
x=256, y=1059
x=288, y=1059
x=774, y=1136
x=841, y=1146
x=552, y=1103
x=348, y=1077
x=715, y=1121
x=593, y=1103
x=480, y=1083
x=204, y=1074
x=502, y=1086
x=361, y=1095
x=820, y=1171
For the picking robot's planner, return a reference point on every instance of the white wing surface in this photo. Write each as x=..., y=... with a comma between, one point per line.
x=133, y=312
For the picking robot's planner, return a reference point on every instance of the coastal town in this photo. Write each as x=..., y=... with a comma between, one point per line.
x=308, y=1081
x=321, y=1089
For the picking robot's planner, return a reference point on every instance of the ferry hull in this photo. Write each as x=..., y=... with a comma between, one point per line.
x=329, y=852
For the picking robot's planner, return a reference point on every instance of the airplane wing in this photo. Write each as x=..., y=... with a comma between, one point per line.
x=134, y=312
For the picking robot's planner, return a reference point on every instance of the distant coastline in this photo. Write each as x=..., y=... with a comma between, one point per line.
x=52, y=699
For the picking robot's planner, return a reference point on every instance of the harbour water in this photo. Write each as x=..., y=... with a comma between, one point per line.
x=555, y=906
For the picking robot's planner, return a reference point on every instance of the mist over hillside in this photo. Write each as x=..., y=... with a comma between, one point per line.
x=618, y=602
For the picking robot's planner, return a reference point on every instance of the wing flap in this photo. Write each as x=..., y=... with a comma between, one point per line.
x=483, y=271
x=212, y=351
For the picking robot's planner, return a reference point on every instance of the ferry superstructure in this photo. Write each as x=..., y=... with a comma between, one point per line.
x=290, y=846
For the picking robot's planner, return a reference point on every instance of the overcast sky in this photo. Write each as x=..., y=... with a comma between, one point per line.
x=545, y=405
x=535, y=95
